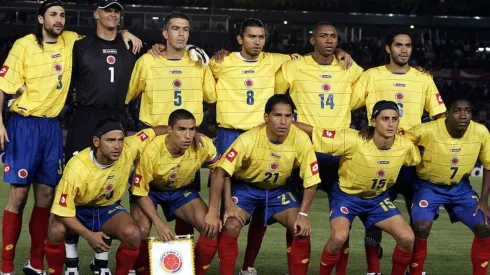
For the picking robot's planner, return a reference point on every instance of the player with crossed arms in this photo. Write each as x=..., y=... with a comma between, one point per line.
x=261, y=161
x=451, y=149
x=164, y=176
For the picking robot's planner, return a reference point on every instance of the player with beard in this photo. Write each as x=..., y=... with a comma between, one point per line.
x=413, y=91
x=42, y=62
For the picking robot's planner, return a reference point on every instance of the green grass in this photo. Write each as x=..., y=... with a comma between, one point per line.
x=449, y=244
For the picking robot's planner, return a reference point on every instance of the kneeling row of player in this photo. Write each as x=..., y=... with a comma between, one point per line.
x=261, y=162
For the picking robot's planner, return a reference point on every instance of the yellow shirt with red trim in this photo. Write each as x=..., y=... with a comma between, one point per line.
x=45, y=72
x=168, y=85
x=158, y=170
x=243, y=87
x=447, y=160
x=365, y=170
x=257, y=161
x=321, y=93
x=86, y=183
x=413, y=91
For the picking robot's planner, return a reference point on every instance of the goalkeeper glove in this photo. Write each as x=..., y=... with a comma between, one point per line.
x=196, y=53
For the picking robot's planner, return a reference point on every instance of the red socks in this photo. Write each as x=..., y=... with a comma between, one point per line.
x=418, y=257
x=38, y=228
x=228, y=252
x=55, y=256
x=11, y=227
x=256, y=232
x=125, y=258
x=341, y=267
x=183, y=228
x=300, y=256
x=205, y=251
x=373, y=263
x=142, y=263
x=328, y=262
x=401, y=260
x=480, y=254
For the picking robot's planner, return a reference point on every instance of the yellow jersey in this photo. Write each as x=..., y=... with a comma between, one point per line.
x=365, y=170
x=321, y=93
x=87, y=183
x=257, y=161
x=413, y=91
x=158, y=169
x=46, y=73
x=168, y=85
x=447, y=160
x=243, y=87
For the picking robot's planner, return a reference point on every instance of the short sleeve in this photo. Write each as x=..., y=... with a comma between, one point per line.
x=66, y=191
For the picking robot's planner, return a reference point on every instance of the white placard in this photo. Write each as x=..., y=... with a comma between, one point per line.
x=175, y=257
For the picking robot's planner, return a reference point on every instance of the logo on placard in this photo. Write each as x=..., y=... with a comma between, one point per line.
x=171, y=261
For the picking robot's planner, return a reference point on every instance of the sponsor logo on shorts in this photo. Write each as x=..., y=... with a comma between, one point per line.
x=381, y=173
x=423, y=203
x=110, y=60
x=399, y=96
x=439, y=99
x=143, y=136
x=22, y=173
x=177, y=83
x=56, y=56
x=344, y=210
x=399, y=85
x=175, y=72
x=171, y=261
x=109, y=51
x=234, y=199
x=454, y=161
x=326, y=87
x=6, y=169
x=248, y=72
x=314, y=167
x=328, y=134
x=231, y=155
x=137, y=180
x=273, y=166
x=4, y=70
x=58, y=68
x=249, y=83
x=62, y=201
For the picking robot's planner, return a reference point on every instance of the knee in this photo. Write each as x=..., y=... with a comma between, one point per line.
x=422, y=229
x=56, y=231
x=337, y=240
x=482, y=231
x=17, y=199
x=131, y=236
x=145, y=230
x=406, y=240
x=44, y=196
x=233, y=227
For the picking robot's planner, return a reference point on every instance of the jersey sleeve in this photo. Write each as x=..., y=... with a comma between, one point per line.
x=418, y=134
x=209, y=86
x=137, y=142
x=339, y=142
x=309, y=169
x=12, y=71
x=413, y=155
x=485, y=148
x=145, y=168
x=234, y=157
x=283, y=79
x=434, y=104
x=216, y=68
x=280, y=59
x=209, y=153
x=137, y=83
x=360, y=91
x=355, y=72
x=66, y=191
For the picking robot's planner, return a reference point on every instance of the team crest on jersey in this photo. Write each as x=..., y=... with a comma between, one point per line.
x=248, y=83
x=273, y=166
x=314, y=167
x=248, y=72
x=455, y=150
x=344, y=210
x=381, y=173
x=4, y=70
x=328, y=134
x=439, y=99
x=6, y=169
x=454, y=161
x=137, y=180
x=423, y=203
x=231, y=155
x=109, y=51
x=274, y=155
x=234, y=200
x=171, y=261
x=22, y=173
x=398, y=84
x=109, y=187
x=110, y=60
x=58, y=68
x=326, y=87
x=62, y=201
x=399, y=96
x=175, y=72
x=56, y=56
x=172, y=176
x=325, y=76
x=177, y=84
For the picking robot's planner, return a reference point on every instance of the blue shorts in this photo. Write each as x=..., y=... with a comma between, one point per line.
x=272, y=201
x=94, y=218
x=170, y=201
x=35, y=151
x=460, y=201
x=370, y=211
x=225, y=138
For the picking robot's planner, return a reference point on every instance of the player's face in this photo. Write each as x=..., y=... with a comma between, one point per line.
x=182, y=133
x=460, y=116
x=177, y=33
x=110, y=145
x=280, y=119
x=108, y=18
x=325, y=40
x=386, y=123
x=253, y=40
x=400, y=49
x=53, y=21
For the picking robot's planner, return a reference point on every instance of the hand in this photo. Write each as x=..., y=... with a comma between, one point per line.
x=423, y=70
x=137, y=44
x=198, y=140
x=157, y=50
x=342, y=55
x=219, y=56
x=196, y=53
x=99, y=242
x=483, y=207
x=233, y=211
x=302, y=226
x=164, y=232
x=3, y=136
x=212, y=225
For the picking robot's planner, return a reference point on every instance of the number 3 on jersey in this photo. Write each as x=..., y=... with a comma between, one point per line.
x=328, y=102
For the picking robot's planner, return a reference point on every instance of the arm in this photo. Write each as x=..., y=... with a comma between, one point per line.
x=137, y=84
x=97, y=240
x=308, y=196
x=282, y=83
x=217, y=184
x=434, y=104
x=304, y=127
x=129, y=37
x=146, y=205
x=343, y=55
x=360, y=91
x=3, y=132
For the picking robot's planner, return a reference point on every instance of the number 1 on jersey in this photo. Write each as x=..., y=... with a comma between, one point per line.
x=111, y=69
x=328, y=102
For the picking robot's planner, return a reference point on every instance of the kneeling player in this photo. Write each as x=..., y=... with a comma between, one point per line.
x=368, y=168
x=260, y=161
x=164, y=175
x=87, y=200
x=452, y=146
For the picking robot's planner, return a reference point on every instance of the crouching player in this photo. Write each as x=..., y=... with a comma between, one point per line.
x=452, y=146
x=260, y=161
x=87, y=199
x=369, y=166
x=164, y=175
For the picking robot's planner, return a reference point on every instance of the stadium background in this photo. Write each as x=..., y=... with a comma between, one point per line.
x=451, y=39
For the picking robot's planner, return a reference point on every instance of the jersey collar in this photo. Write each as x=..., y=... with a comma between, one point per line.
x=92, y=157
x=309, y=59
